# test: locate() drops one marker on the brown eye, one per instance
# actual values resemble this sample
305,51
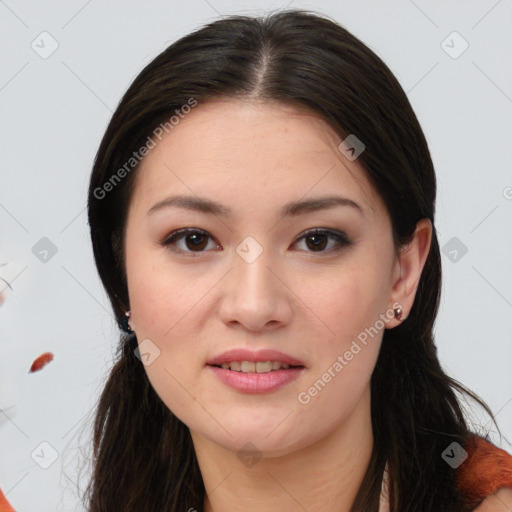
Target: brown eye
195,241
318,239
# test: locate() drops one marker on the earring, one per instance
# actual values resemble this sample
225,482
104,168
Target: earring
129,327
398,313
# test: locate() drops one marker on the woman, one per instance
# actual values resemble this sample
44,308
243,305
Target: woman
262,217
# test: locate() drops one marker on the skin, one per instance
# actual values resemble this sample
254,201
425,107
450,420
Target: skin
254,158
500,501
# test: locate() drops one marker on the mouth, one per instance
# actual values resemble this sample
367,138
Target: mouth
256,376
256,366
261,371
259,361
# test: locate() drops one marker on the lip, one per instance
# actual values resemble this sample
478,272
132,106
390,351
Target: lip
256,382
254,356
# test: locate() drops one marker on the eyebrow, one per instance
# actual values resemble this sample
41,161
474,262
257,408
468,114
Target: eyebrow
290,209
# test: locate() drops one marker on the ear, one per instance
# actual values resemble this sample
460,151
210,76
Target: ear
408,268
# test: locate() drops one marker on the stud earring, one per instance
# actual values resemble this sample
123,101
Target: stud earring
129,327
398,313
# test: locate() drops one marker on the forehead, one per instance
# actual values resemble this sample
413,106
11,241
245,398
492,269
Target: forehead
251,151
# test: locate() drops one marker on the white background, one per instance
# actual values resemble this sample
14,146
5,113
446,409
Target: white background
54,112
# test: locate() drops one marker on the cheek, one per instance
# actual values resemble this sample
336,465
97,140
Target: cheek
349,305
160,295
346,301
163,303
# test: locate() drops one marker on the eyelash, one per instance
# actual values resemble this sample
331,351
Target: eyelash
340,237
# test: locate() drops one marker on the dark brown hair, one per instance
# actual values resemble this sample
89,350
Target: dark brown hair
144,458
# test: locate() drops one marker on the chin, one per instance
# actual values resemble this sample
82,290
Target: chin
266,441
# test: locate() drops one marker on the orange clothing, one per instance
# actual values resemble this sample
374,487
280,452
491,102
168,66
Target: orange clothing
487,469
4,504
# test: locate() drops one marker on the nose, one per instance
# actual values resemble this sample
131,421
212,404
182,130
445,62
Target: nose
255,294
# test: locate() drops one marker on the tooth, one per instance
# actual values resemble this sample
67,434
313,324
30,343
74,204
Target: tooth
255,367
263,367
248,366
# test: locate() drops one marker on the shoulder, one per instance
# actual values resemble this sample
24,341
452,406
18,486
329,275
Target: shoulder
500,501
485,477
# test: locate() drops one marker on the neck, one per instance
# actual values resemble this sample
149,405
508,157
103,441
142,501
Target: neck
325,475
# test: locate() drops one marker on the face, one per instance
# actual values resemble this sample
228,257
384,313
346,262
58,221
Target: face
309,282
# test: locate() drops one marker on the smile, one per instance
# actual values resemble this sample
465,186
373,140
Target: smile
255,366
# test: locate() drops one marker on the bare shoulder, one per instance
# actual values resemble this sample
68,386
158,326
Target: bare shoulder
500,501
